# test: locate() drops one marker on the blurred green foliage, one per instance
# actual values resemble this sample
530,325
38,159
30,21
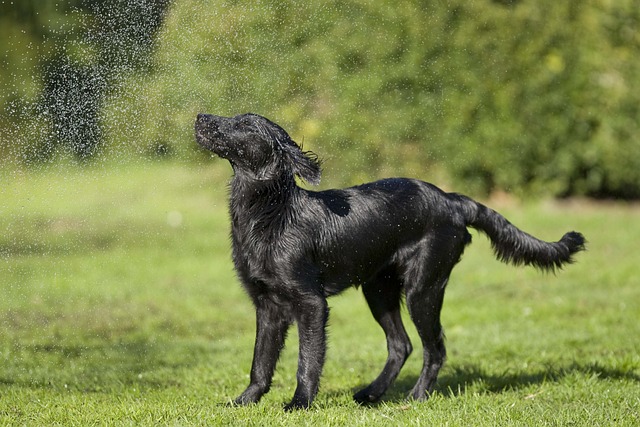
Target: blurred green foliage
529,97
60,60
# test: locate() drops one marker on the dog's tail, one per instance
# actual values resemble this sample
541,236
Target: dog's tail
512,245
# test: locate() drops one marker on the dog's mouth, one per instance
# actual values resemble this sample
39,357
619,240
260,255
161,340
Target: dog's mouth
207,139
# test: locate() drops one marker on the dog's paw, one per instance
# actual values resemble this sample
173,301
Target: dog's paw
243,400
365,397
251,395
296,405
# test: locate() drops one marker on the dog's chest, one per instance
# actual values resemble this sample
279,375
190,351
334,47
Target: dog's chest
258,248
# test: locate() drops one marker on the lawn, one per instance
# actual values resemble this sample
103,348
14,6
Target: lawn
118,305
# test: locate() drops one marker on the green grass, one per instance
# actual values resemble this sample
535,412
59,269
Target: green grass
118,305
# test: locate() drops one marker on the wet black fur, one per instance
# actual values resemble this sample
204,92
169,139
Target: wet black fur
293,248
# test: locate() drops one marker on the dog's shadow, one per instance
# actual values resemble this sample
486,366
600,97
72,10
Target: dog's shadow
458,380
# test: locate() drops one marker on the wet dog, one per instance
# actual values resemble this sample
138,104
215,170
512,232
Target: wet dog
293,248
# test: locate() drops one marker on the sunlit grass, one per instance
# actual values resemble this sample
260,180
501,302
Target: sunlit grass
119,305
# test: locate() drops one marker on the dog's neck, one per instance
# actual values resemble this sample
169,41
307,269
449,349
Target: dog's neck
251,198
260,212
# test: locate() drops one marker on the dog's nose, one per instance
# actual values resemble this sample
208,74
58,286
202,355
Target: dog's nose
203,118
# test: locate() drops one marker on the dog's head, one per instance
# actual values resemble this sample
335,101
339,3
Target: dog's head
256,146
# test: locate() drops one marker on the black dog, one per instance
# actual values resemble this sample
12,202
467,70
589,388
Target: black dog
292,248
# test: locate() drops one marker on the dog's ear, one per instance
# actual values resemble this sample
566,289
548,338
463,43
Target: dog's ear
305,164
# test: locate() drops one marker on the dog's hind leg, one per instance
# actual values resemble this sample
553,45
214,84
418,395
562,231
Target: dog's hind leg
424,308
383,295
425,279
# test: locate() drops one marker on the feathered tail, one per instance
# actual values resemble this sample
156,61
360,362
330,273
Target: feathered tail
512,245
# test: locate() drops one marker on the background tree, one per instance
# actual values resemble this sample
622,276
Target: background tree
66,57
522,96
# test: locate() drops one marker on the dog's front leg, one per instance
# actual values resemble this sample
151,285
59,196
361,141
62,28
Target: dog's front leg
272,322
311,313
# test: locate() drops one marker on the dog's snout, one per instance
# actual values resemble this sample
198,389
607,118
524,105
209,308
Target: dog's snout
207,122
204,118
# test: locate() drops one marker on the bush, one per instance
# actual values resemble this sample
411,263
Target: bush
522,96
62,59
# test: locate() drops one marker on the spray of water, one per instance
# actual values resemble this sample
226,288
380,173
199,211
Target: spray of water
74,56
